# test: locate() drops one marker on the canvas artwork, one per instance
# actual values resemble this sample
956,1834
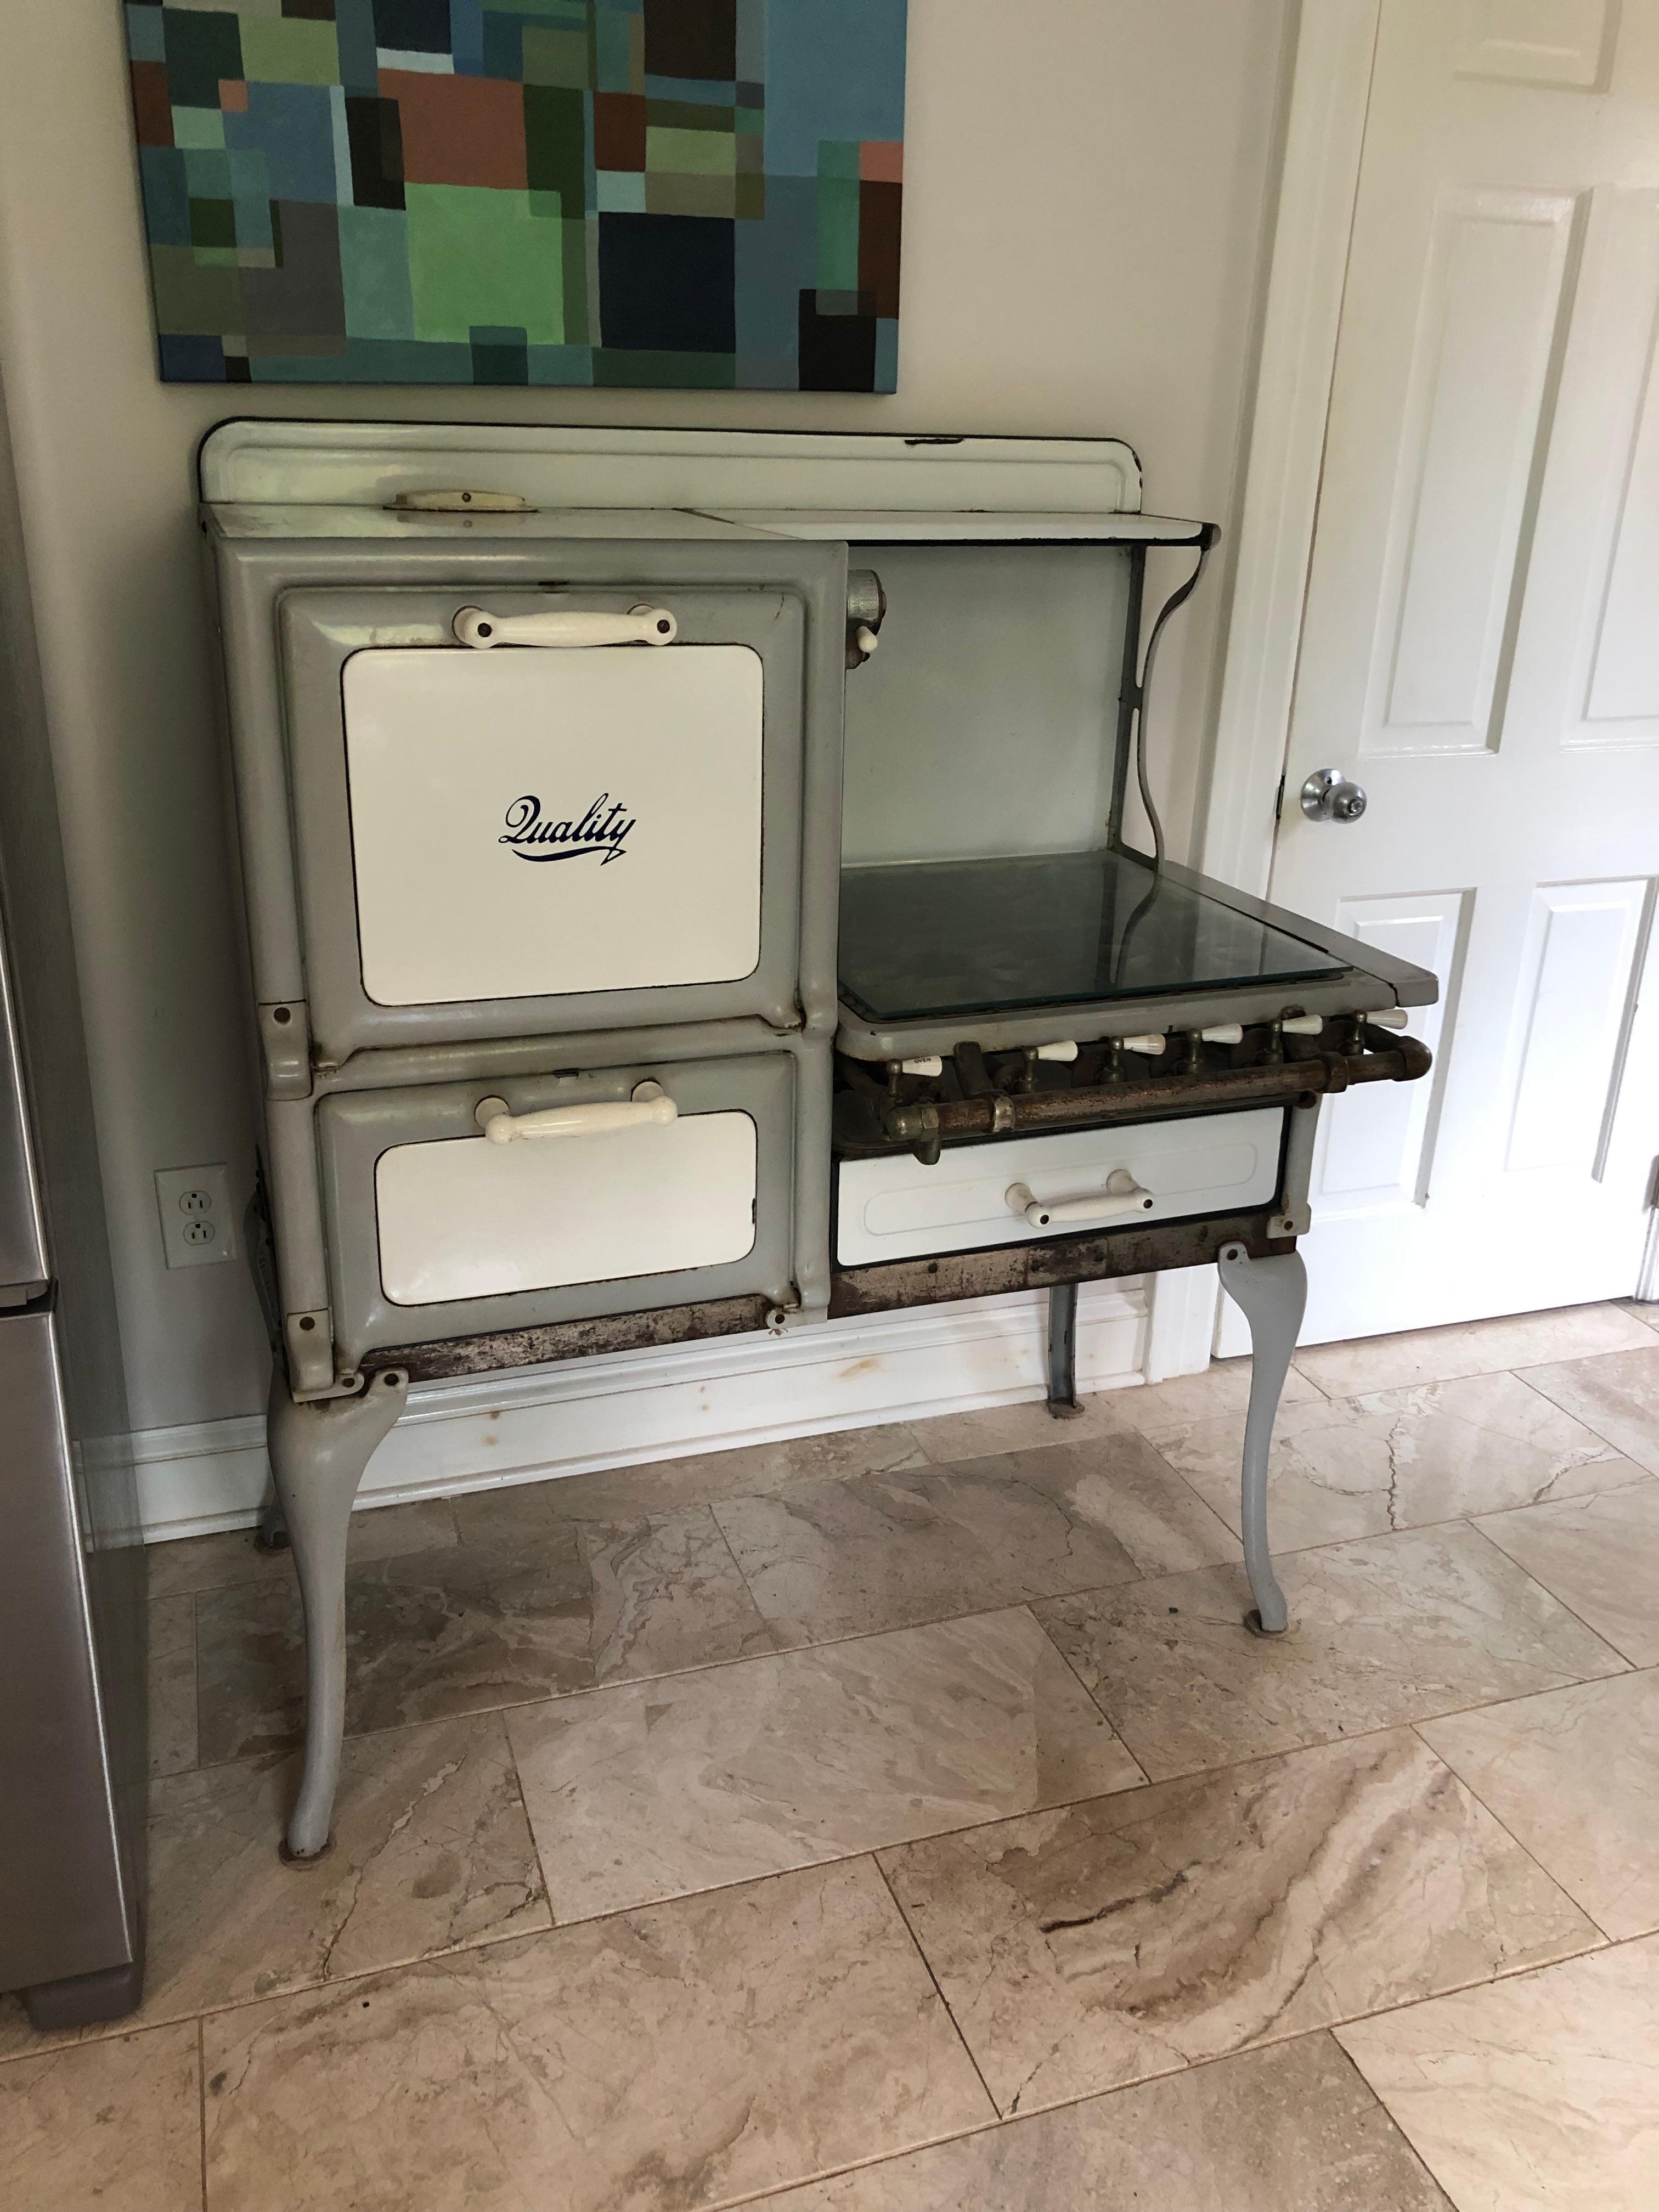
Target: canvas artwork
670,192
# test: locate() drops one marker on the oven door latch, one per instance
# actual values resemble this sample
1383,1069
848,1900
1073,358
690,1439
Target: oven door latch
565,628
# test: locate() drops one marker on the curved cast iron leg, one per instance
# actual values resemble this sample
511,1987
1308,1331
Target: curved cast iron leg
318,1455
1271,1293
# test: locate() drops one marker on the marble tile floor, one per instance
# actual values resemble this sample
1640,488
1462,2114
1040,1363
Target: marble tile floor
904,1821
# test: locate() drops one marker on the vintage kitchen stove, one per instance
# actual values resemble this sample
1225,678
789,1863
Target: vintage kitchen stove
688,892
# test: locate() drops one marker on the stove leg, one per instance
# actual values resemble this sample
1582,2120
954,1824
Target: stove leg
1062,1353
1271,1293
318,1455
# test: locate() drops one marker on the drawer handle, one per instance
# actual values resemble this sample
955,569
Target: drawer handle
650,1107
476,627
1123,1195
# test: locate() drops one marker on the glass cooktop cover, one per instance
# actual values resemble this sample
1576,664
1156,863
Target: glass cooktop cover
968,937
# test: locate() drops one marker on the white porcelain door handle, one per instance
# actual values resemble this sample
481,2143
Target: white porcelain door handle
650,1107
1123,1195
478,627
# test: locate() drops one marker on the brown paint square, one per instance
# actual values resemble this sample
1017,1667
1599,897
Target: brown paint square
459,129
618,130
152,103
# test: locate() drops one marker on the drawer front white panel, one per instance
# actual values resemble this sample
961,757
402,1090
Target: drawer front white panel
526,824
894,1208
461,1218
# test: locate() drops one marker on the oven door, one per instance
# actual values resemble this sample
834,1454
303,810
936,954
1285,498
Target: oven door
519,838
1021,1190
460,1209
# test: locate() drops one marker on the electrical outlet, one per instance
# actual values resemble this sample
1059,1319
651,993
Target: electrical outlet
198,1227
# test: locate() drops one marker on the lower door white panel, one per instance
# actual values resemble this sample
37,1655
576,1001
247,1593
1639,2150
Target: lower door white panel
434,1230
894,1208
465,1218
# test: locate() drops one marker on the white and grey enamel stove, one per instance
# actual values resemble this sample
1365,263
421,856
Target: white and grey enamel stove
639,953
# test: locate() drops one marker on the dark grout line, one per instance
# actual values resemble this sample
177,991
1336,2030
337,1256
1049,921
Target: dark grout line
928,1968
201,2100
1572,1611
1347,2059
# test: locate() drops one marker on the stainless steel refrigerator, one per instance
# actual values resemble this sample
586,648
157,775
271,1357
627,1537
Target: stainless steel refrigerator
72,1647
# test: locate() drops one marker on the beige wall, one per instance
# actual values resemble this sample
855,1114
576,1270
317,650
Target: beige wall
1083,216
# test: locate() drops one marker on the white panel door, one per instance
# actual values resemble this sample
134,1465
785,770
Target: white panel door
1481,650
528,823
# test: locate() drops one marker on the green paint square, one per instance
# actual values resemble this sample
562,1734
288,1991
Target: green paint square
193,297
838,235
477,255
553,57
289,50
838,157
614,47
197,127
691,153
374,273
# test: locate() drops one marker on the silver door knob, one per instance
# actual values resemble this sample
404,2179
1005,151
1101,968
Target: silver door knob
1328,796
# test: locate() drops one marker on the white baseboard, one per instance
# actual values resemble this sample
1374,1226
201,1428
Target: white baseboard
631,1406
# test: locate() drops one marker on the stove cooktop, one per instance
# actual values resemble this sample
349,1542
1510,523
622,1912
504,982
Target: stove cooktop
928,939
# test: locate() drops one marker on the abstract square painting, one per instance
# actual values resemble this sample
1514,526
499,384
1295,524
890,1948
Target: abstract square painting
668,193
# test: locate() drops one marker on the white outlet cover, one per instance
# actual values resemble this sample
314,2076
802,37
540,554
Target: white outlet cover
198,1221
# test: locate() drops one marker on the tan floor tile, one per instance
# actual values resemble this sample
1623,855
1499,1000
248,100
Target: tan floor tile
474,1626
1600,1556
115,2125
1574,1775
1386,1630
649,1790
1644,1309
1082,1948
1476,1347
1028,1427
673,1486
1538,2094
171,1685
1291,2129
203,1563
1222,1388
684,2056
1399,1459
877,1551
1617,1396
432,1848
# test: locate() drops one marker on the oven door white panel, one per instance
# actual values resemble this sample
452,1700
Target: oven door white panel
532,823
465,1218
432,1230
894,1208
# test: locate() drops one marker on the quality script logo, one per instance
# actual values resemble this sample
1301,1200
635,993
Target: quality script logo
602,828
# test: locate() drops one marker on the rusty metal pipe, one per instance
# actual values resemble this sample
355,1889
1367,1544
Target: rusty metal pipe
1401,1061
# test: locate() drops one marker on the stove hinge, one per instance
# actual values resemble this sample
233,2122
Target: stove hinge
285,1044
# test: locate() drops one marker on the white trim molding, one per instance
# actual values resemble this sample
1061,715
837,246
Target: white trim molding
1330,92
628,1407
1319,184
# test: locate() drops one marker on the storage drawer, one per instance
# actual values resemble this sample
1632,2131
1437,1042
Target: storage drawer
436,1229
535,839
1082,1180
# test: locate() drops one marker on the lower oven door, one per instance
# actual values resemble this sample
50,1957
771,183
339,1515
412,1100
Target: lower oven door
569,1209
1021,1189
